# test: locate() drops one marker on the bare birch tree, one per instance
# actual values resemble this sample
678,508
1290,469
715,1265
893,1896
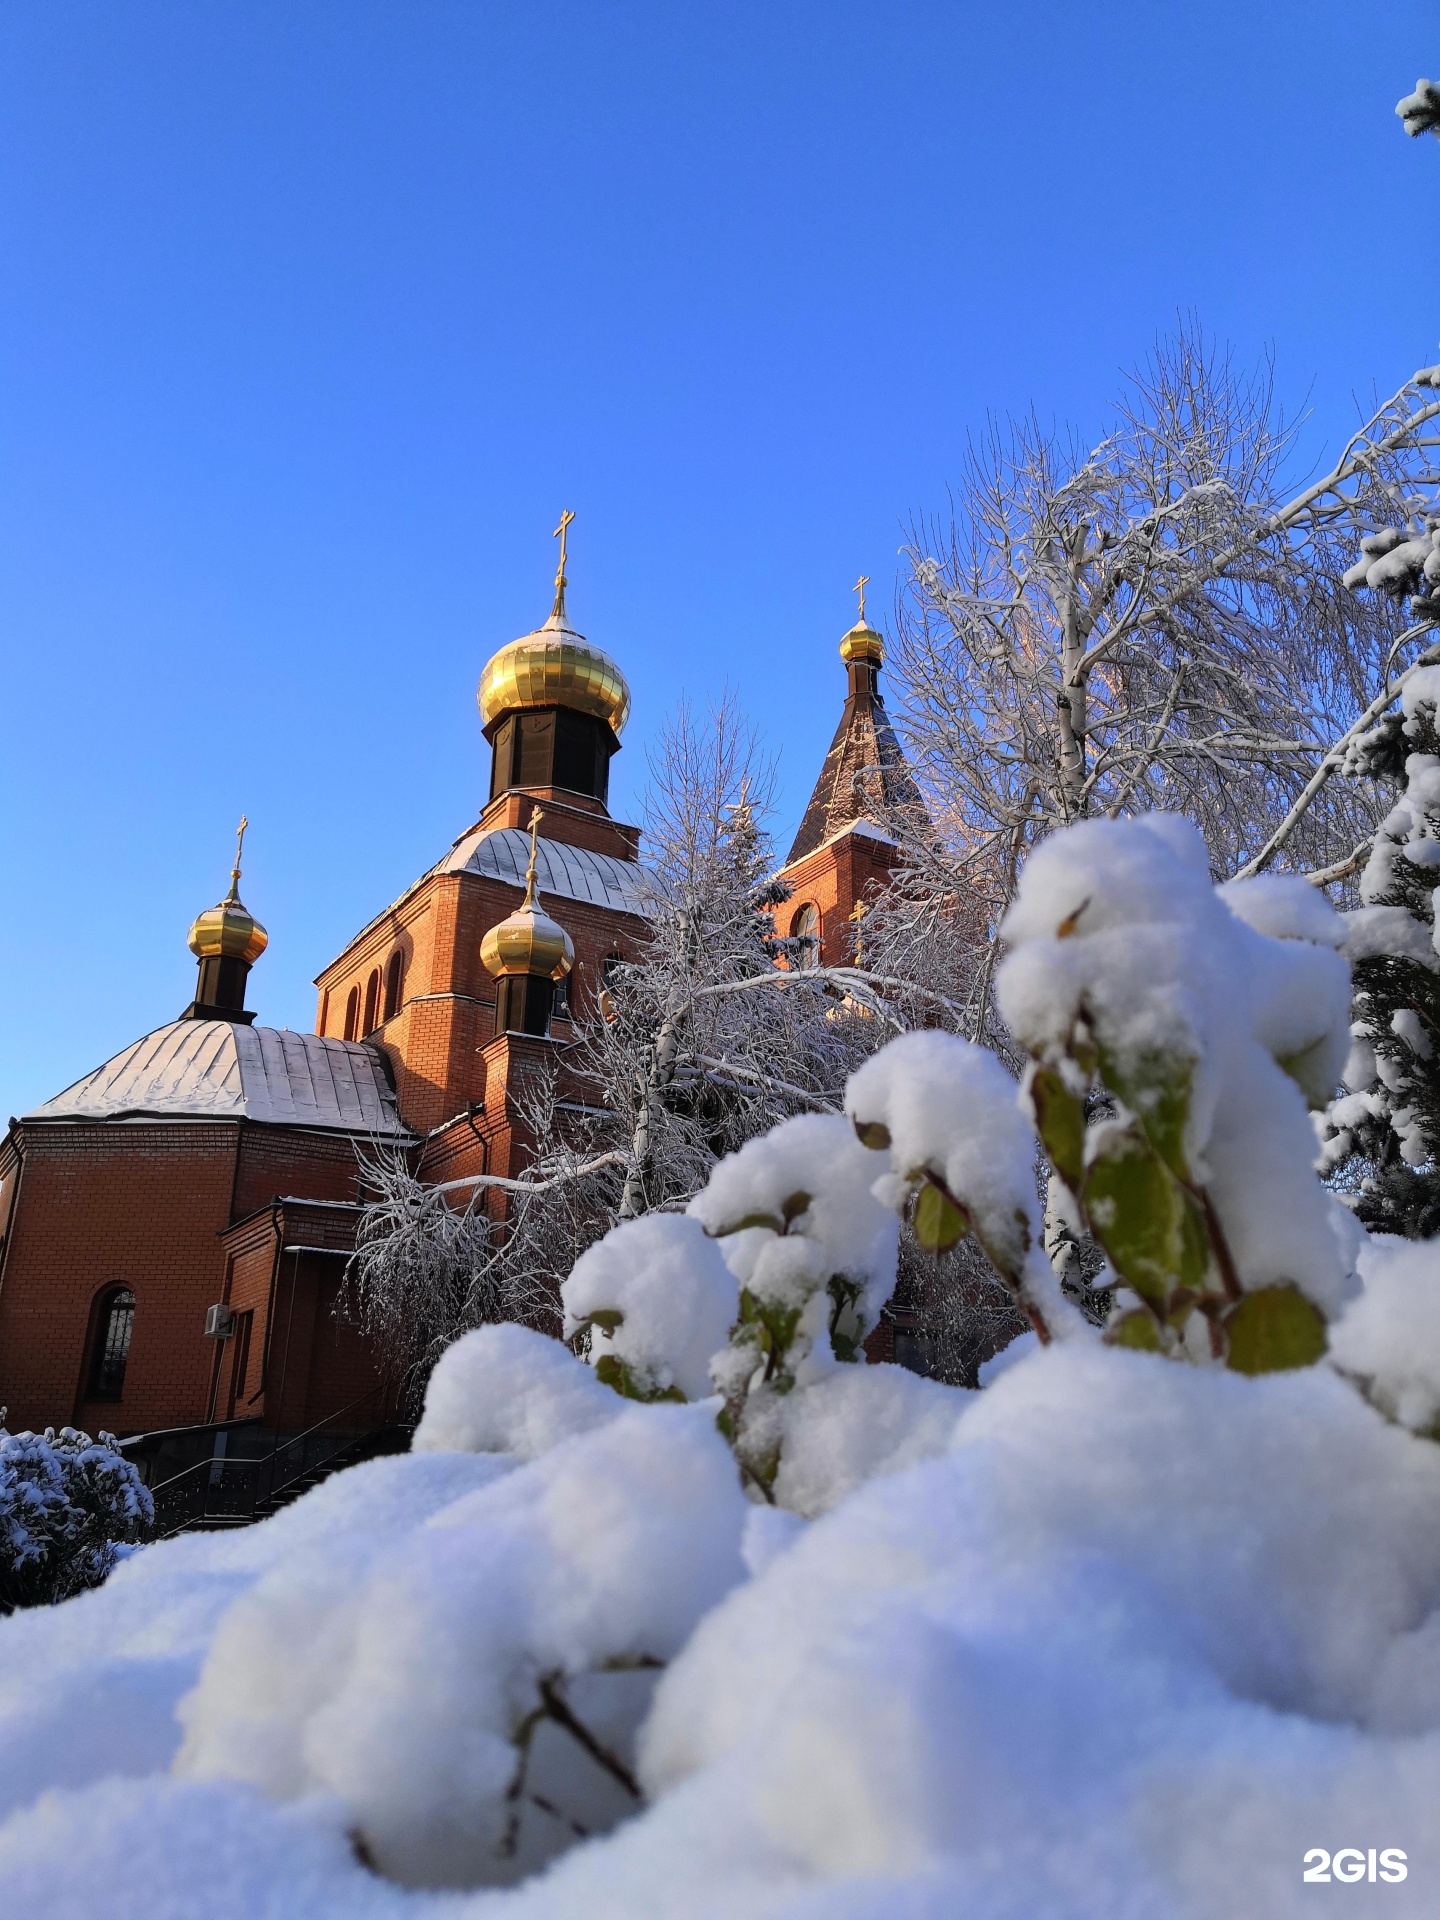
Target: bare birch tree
1155,621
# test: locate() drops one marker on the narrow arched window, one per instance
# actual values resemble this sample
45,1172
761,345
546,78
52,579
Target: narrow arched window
113,1327
352,1015
372,1001
320,1024
805,926
611,968
394,983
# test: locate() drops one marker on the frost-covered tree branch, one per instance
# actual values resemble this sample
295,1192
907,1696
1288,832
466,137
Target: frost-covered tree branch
426,1269
1155,621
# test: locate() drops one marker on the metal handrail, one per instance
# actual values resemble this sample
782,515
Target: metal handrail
260,1461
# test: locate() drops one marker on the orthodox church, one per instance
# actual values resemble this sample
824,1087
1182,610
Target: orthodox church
176,1224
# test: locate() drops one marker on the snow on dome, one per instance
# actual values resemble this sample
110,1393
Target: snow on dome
570,873
574,873
221,1070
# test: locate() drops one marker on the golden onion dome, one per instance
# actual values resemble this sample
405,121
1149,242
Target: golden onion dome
862,642
554,667
228,929
528,940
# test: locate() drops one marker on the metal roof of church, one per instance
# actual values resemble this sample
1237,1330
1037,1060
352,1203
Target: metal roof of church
572,873
220,1070
865,768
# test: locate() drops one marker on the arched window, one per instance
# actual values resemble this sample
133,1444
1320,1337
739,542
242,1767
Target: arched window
321,1023
352,1015
372,1002
805,925
610,970
113,1327
394,983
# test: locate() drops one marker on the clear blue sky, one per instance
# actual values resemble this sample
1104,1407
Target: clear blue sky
314,315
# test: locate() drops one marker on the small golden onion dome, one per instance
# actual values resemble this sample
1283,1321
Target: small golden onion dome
228,929
554,667
528,940
862,642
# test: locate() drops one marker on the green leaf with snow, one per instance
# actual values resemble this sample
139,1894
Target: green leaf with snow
1273,1330
614,1372
771,1221
1156,1088
1148,1225
1060,1122
847,1330
1137,1329
938,1222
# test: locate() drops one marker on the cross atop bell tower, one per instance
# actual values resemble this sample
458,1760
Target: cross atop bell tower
557,612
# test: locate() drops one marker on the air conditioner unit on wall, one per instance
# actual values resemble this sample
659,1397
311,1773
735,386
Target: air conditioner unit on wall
219,1322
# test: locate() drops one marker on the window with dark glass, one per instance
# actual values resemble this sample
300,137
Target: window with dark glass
806,926
372,1002
394,983
112,1344
352,1015
535,759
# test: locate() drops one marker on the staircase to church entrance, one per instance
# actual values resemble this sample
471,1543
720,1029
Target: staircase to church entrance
231,1473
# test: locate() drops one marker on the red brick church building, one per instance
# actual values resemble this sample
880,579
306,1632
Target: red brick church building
176,1224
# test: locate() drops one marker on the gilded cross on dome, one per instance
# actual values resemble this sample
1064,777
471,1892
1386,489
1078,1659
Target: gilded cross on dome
535,818
239,845
560,581
859,587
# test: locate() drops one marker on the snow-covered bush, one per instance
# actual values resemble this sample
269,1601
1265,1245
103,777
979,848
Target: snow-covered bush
68,1504
1208,1021
652,1301
1388,1341
471,1691
764,1292
1212,1019
1112,1636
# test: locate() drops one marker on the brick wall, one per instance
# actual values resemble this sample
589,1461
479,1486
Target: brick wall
138,1206
853,867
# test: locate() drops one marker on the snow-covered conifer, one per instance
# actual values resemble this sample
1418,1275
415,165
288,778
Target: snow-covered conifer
1383,1131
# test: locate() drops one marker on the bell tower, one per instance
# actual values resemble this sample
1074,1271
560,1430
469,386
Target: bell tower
845,846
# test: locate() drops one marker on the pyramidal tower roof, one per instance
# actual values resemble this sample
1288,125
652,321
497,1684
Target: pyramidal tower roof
865,776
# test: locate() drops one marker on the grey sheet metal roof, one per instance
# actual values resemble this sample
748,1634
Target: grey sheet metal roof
216,1070
572,873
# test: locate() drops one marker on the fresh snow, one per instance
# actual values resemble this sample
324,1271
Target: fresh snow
1129,1642
1116,1637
